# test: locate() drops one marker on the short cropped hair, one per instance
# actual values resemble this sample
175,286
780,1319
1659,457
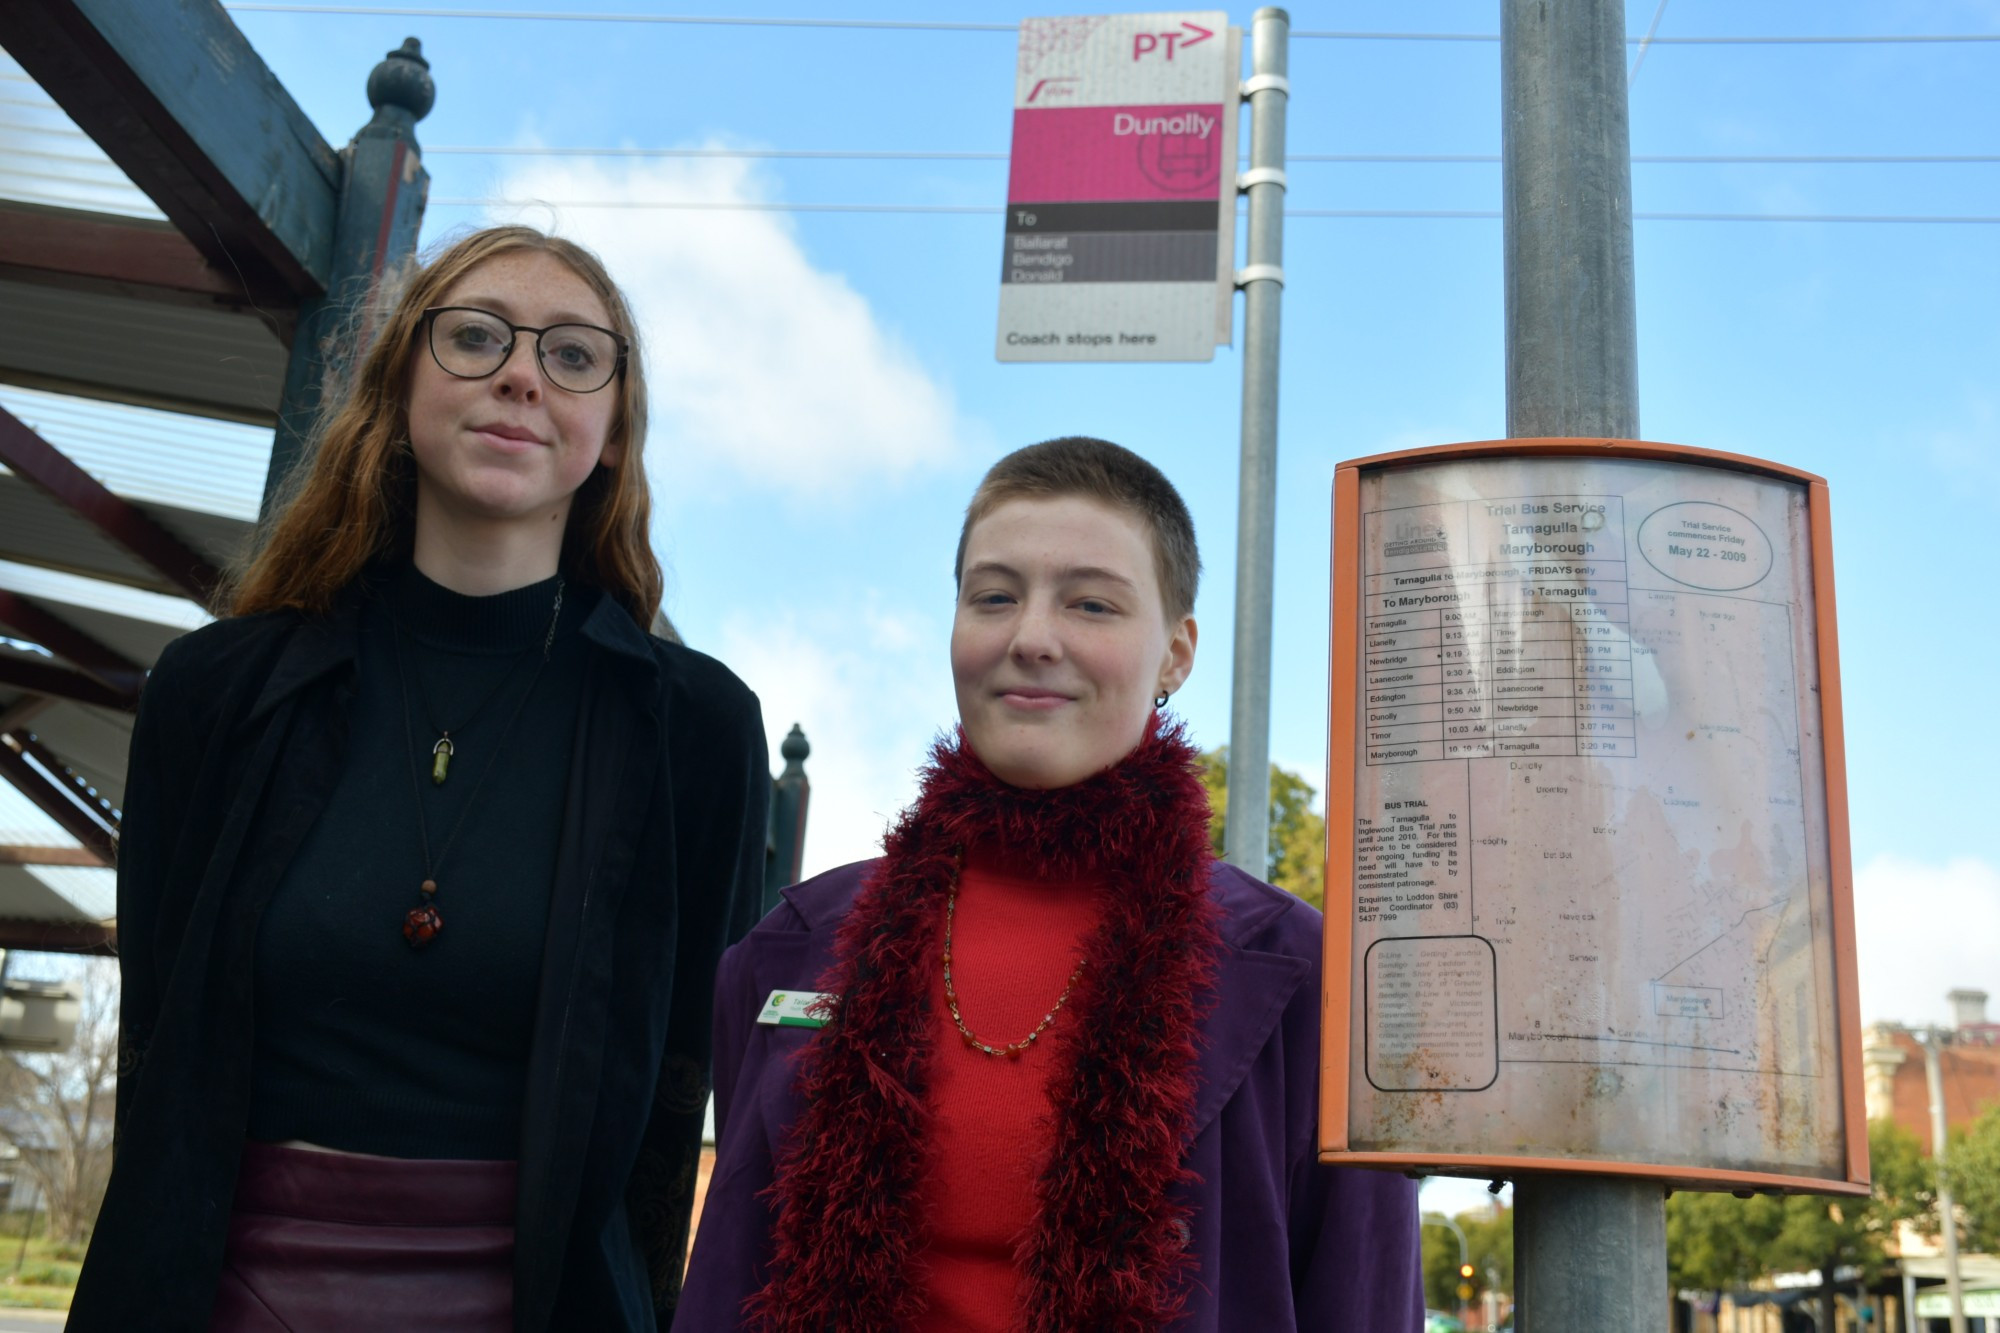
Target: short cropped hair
1111,475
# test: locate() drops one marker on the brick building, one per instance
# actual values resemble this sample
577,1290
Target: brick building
1892,1063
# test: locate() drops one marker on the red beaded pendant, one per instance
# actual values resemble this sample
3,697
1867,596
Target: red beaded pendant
422,925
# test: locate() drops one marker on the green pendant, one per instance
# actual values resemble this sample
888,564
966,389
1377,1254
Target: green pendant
441,761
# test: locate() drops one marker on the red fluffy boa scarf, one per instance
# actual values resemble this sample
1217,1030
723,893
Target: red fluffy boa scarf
1108,1251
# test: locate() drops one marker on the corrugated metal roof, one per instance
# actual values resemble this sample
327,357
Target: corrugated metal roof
23,824
91,891
193,358
46,159
177,614
25,896
169,458
92,741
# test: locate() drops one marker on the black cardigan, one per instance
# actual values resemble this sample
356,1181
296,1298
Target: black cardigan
239,741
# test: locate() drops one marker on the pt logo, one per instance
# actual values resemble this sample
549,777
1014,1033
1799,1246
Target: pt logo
1148,43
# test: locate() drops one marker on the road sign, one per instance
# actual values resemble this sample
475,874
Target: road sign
1588,899
1121,194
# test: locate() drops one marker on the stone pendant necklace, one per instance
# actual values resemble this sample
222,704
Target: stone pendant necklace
445,748
424,923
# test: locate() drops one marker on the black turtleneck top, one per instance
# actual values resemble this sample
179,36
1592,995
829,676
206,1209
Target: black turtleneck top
363,1043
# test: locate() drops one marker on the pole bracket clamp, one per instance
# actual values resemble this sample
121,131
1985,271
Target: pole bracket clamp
1260,176
1250,273
1258,83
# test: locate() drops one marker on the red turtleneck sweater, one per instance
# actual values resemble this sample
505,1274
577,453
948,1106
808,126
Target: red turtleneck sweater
1015,942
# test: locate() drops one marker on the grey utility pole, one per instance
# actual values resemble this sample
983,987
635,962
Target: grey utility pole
1247,841
1947,1216
1590,1251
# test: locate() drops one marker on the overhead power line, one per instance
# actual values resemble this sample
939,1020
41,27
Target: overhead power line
572,16
925,155
989,210
943,25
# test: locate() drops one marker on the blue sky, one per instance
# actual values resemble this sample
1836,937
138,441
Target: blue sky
826,395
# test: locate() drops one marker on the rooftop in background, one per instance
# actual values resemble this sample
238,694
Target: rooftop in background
1893,1074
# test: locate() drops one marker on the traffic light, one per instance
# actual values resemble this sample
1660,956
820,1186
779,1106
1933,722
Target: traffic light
1465,1271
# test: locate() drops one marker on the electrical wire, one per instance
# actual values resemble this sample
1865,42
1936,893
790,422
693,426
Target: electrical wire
921,155
988,210
941,25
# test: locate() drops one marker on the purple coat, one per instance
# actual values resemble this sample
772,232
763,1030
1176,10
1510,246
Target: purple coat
1284,1243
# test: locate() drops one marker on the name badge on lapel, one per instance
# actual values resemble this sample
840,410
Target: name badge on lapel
797,1009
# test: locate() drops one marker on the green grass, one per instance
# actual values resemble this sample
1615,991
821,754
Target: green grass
47,1275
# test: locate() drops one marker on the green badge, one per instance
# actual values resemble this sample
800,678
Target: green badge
796,1009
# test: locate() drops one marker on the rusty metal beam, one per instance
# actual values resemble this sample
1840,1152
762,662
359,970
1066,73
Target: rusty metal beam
21,854
60,793
73,645
126,256
54,682
174,93
59,936
40,463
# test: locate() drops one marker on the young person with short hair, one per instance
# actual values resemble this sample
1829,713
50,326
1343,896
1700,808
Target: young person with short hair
1067,1075
429,852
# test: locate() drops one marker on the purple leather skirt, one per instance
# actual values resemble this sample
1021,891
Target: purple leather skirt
327,1241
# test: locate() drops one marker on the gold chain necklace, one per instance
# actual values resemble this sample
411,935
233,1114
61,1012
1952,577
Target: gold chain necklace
1012,1050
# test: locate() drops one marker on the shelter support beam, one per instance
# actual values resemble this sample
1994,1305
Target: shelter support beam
18,854
791,795
37,461
381,208
54,682
59,936
61,795
106,665
80,250
232,161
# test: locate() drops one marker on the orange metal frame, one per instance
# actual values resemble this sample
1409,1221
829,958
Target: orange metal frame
1339,971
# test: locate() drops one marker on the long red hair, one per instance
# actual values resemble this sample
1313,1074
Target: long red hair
354,502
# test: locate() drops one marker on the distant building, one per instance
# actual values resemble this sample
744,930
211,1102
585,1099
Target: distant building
1892,1064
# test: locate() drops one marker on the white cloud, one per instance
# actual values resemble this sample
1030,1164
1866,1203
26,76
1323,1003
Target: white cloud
1921,930
761,365
871,688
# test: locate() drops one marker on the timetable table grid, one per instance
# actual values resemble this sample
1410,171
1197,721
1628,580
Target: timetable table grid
1510,660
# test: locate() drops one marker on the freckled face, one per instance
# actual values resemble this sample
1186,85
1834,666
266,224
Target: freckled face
1060,641
512,445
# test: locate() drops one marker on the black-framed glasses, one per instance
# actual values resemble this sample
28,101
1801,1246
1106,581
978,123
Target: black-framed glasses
472,343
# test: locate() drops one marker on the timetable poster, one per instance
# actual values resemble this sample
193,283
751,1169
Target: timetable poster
1590,877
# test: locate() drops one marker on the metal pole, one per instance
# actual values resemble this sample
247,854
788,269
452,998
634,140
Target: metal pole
1590,1252
1947,1217
1909,1304
1464,1251
1572,321
1247,840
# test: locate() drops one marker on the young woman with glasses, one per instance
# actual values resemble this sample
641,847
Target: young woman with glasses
429,852
1046,1065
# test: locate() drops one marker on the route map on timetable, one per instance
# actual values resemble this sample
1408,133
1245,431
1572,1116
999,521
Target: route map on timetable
1591,887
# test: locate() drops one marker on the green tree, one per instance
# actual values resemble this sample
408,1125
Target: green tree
1716,1241
1489,1247
1298,835
1973,1164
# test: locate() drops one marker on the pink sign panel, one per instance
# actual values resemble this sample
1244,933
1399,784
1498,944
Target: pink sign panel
1134,153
